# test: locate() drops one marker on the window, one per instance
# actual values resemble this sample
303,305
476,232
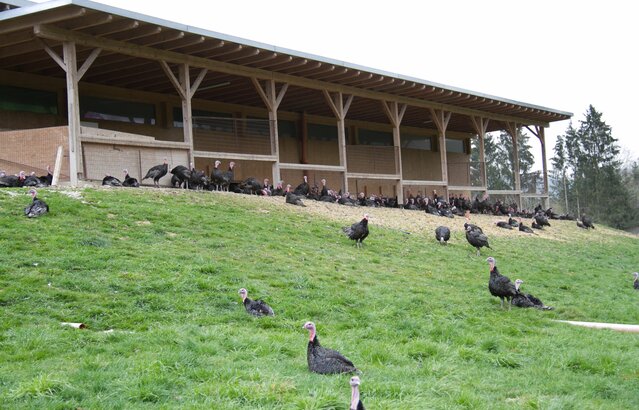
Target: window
456,146
371,137
287,129
322,132
421,142
26,99
205,120
96,108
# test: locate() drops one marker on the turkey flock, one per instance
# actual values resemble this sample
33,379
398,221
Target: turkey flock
321,359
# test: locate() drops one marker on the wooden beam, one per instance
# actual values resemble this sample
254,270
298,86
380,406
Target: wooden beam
231,155
73,111
87,63
26,21
53,33
197,82
52,54
441,119
312,167
359,175
169,73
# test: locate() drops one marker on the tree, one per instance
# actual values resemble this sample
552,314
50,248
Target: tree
587,159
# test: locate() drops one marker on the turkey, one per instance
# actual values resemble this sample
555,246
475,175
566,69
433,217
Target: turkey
512,222
324,191
524,228
303,188
217,176
358,231
504,224
442,233
129,181
585,219
322,360
109,180
47,179
535,225
293,199
12,181
181,177
255,307
476,238
468,224
37,207
228,177
581,225
157,172
198,180
527,300
251,186
636,281
33,180
356,403
541,220
499,285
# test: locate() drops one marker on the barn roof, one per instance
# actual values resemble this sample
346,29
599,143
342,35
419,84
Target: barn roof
130,40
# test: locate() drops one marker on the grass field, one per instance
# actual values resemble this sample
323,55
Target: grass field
154,275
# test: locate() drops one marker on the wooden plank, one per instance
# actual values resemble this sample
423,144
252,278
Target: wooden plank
312,167
52,54
53,16
358,175
597,325
73,110
53,33
58,166
230,155
169,73
423,182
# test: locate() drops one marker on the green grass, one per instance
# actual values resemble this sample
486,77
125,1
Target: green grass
162,270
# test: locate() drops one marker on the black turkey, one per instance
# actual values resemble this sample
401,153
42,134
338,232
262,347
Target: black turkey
442,233
524,228
251,186
499,285
635,284
527,300
111,181
181,176
581,225
255,307
585,219
129,181
512,222
293,199
157,172
535,225
504,224
476,238
37,207
358,231
473,227
12,181
228,176
324,190
303,188
47,179
356,402
322,360
541,220
32,181
217,176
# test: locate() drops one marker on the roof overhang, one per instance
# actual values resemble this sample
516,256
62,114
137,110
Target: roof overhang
132,44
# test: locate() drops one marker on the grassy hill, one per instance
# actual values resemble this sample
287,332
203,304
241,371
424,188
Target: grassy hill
154,275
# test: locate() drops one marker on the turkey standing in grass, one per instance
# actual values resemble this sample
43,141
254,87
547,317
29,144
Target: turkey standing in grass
157,172
476,238
636,282
228,177
181,176
499,285
217,176
129,181
442,233
255,307
356,403
322,360
527,300
358,231
541,220
37,207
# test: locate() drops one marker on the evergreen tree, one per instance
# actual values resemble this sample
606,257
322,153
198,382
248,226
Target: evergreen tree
588,158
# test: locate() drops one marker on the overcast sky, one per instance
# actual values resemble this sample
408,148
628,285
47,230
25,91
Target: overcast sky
563,55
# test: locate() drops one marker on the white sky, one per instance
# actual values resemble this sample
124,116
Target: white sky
563,55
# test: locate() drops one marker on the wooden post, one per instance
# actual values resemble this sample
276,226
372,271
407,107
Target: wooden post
340,109
395,114
441,118
57,166
481,125
186,91
513,130
272,99
73,110
539,132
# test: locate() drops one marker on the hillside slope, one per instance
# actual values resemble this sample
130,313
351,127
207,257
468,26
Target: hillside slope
154,275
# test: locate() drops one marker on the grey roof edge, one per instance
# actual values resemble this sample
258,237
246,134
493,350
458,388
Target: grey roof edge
19,3
47,5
